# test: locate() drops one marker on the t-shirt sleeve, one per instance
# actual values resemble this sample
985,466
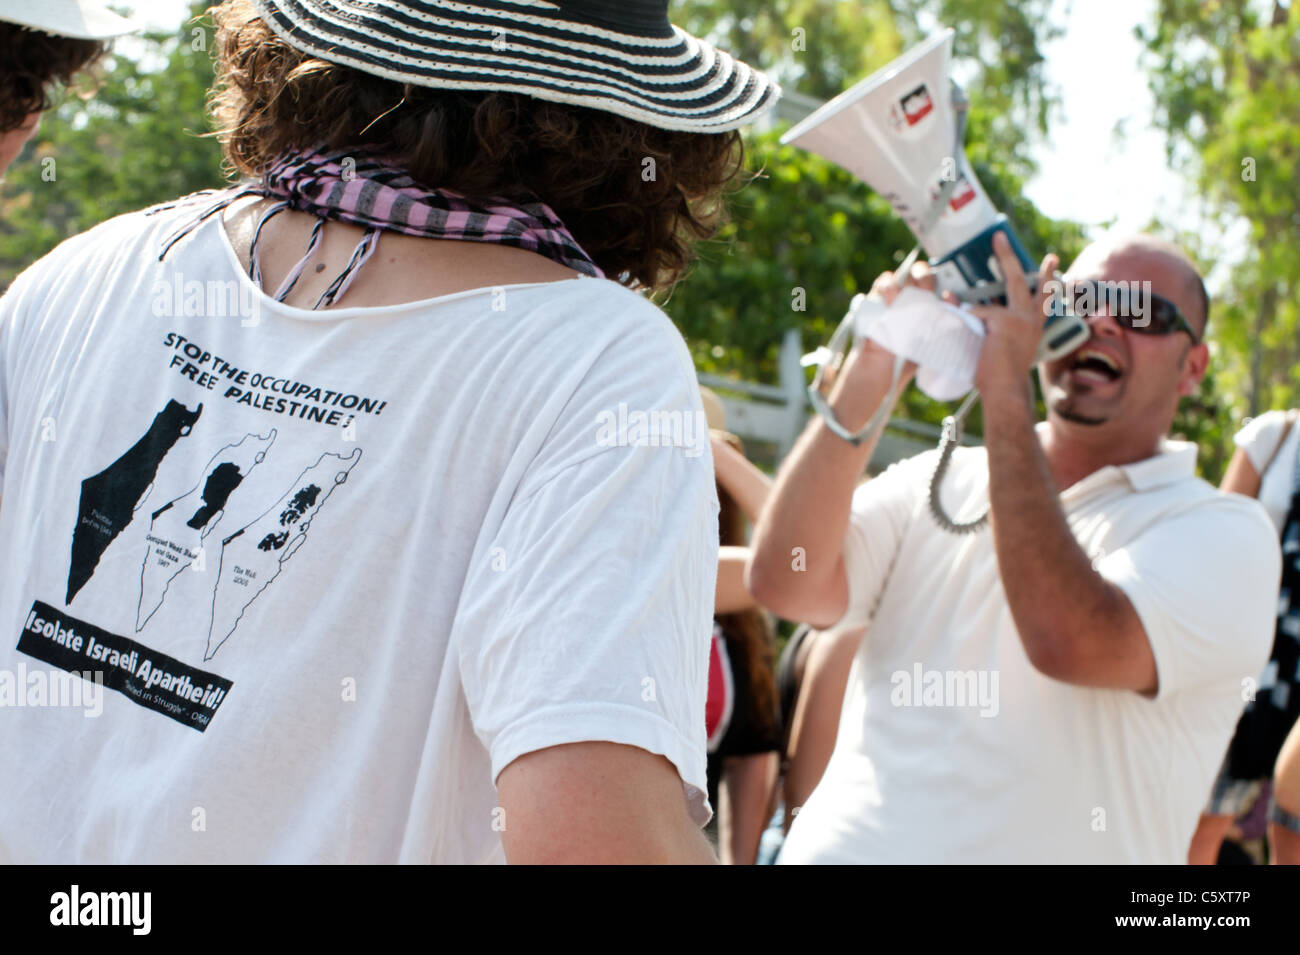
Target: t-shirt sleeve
1204,584
1259,438
880,512
589,616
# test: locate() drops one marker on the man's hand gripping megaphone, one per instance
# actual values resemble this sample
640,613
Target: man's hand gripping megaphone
1013,332
945,343
902,325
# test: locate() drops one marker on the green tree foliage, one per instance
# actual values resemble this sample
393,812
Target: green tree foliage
820,47
1226,76
137,142
815,46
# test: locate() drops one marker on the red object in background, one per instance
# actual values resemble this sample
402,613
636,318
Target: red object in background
722,691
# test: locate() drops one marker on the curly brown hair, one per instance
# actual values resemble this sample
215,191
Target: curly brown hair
33,62
637,219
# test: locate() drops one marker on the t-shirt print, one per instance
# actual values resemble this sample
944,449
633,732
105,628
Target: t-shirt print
182,507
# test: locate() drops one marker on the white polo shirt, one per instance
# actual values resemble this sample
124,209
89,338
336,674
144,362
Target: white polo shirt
953,748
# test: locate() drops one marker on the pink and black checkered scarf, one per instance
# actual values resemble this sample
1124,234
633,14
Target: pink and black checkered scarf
365,192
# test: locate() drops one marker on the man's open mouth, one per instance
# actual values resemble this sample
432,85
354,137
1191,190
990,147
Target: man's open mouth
1095,364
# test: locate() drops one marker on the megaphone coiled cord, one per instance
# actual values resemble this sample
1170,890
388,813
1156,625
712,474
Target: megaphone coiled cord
953,429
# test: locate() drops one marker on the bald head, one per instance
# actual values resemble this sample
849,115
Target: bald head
1170,258
1123,386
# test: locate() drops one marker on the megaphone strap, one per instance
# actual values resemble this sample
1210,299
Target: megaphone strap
872,429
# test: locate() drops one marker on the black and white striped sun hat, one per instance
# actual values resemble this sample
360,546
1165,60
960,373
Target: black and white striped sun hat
620,56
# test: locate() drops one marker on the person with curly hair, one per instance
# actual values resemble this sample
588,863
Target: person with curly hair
43,45
380,513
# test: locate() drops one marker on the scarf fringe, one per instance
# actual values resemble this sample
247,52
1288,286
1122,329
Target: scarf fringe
381,198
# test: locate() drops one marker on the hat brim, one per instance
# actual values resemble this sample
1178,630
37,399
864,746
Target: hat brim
675,82
78,19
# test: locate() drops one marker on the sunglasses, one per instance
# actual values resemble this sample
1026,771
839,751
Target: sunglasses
1135,308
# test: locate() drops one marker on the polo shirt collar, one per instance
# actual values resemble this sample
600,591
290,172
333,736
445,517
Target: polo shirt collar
1174,461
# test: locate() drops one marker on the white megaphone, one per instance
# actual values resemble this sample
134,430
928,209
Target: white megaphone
901,131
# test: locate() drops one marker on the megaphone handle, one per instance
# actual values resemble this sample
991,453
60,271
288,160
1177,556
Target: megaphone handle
989,290
905,267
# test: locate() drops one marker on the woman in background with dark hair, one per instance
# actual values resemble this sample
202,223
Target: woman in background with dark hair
769,722
42,45
743,711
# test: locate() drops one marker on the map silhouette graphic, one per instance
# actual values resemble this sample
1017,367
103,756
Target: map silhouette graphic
178,528
254,555
109,499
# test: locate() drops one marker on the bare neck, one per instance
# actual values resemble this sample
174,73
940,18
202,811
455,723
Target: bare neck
1074,451
403,269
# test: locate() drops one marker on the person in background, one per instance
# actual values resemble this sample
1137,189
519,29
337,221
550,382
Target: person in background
41,45
743,714
810,682
1284,814
1266,466
821,666
809,679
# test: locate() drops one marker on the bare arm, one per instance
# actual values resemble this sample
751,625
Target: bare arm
745,805
597,804
1075,625
1241,476
807,513
730,594
747,485
816,719
1284,842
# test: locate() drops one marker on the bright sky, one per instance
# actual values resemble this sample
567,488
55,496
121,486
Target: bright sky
159,14
1088,171
1094,174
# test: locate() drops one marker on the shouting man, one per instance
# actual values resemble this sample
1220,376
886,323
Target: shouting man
1113,604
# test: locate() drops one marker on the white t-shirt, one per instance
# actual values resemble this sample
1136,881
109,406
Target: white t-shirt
340,567
1258,439
953,748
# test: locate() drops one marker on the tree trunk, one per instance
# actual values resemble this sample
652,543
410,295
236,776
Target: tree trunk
1267,306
